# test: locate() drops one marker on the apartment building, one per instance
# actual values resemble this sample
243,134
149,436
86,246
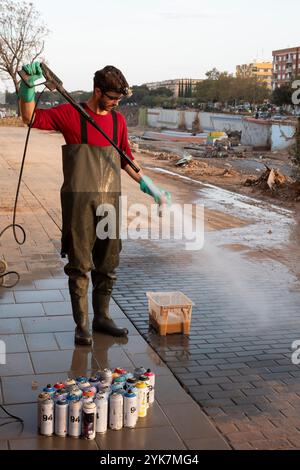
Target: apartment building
177,86
286,66
263,71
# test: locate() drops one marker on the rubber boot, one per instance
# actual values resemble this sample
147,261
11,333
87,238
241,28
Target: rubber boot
102,322
81,318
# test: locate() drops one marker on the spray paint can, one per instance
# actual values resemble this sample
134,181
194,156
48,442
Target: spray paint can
84,385
91,389
105,376
106,390
130,383
116,411
128,375
75,390
69,383
146,380
88,397
59,386
49,389
151,377
120,371
101,402
81,379
75,410
89,411
94,381
46,413
120,380
44,396
61,394
142,399
61,418
116,387
130,410
139,371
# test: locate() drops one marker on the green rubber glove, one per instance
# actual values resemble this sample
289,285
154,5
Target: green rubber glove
159,194
34,73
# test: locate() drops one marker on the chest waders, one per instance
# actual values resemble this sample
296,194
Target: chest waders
92,177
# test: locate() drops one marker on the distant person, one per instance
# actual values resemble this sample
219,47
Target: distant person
91,178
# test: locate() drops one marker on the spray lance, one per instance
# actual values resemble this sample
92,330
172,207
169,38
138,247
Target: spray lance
162,198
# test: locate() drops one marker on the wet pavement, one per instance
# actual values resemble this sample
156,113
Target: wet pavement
38,330
237,361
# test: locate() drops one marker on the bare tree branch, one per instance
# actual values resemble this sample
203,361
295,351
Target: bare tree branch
22,34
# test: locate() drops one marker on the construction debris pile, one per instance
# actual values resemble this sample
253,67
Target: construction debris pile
273,180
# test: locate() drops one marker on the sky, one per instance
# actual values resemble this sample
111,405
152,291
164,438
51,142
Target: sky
153,40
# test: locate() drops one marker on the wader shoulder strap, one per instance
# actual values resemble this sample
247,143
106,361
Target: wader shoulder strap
83,127
115,124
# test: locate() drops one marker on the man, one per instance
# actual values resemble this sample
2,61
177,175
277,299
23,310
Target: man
91,179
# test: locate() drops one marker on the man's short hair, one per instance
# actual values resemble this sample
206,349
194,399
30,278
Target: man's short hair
111,79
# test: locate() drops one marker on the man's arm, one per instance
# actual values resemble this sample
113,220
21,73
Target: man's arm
130,171
26,110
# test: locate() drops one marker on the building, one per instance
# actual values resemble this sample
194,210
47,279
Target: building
177,86
286,66
263,71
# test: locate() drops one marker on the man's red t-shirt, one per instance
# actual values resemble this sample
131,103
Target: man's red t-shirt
65,119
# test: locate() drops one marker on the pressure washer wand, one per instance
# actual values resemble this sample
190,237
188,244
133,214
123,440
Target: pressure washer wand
54,83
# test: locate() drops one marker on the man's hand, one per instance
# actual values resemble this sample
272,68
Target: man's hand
160,195
34,73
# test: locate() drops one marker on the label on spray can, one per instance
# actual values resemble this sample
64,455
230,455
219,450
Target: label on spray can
142,399
130,410
46,425
151,377
116,411
75,410
61,418
89,420
101,402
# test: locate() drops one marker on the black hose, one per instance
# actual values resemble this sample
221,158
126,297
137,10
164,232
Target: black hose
15,226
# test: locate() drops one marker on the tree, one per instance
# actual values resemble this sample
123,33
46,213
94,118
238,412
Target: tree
282,95
22,36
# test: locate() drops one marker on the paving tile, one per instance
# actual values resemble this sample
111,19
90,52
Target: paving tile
58,361
137,345
53,443
190,422
15,430
155,418
157,438
57,308
18,363
49,324
41,342
46,284
151,361
100,341
39,296
207,444
19,389
112,358
6,297
21,310
14,343
169,391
